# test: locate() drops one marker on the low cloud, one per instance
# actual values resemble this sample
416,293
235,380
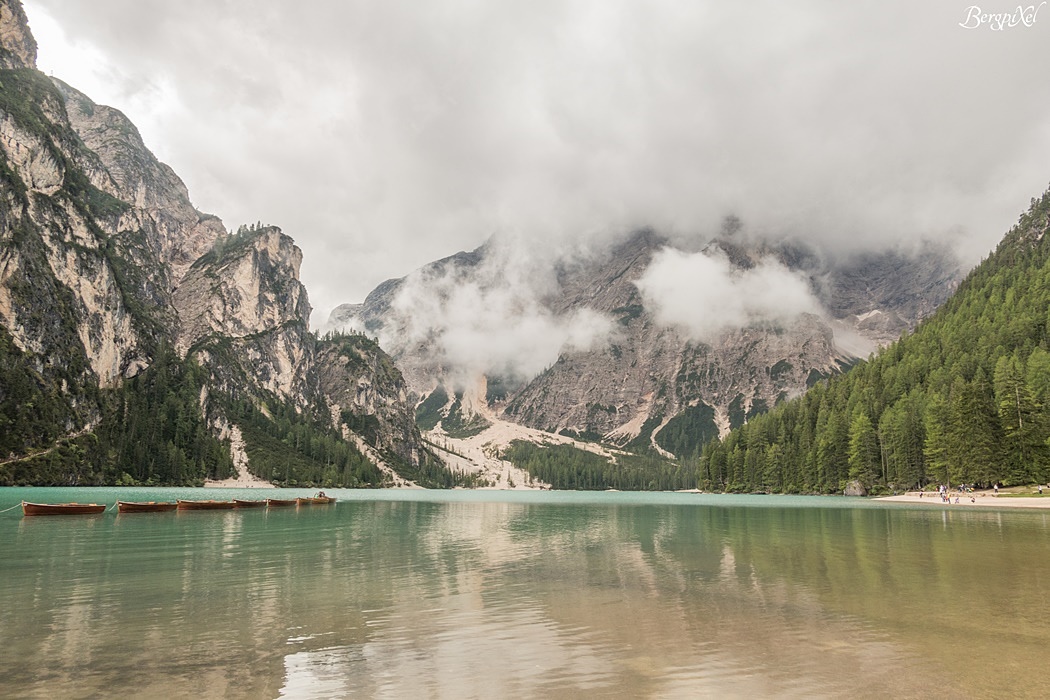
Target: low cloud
384,135
490,319
705,295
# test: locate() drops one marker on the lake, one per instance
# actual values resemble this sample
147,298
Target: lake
483,594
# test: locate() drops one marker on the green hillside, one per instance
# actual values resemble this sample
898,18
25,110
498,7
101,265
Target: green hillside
964,399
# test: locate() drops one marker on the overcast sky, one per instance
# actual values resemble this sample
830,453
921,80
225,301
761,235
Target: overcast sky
382,135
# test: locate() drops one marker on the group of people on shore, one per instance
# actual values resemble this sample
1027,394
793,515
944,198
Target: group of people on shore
945,493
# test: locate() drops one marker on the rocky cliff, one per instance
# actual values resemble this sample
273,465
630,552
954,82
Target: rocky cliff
246,291
118,298
160,205
17,45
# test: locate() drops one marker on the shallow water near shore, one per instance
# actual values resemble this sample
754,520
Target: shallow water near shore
482,594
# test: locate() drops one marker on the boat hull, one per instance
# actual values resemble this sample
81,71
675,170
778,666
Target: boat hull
146,506
280,502
237,503
205,505
314,501
62,508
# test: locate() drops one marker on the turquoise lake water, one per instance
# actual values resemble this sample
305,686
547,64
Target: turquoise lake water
484,594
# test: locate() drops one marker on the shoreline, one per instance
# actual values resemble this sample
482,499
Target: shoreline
980,498
238,482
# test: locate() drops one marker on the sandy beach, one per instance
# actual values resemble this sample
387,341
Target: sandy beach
241,481
979,498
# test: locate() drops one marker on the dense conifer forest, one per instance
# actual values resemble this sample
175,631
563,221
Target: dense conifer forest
154,431
150,431
568,467
963,399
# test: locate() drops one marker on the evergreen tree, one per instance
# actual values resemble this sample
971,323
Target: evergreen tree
901,438
1018,413
832,450
976,431
864,455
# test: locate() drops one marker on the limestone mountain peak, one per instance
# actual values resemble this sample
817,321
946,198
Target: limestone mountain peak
136,327
17,45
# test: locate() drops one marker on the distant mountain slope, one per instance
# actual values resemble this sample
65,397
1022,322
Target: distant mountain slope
142,343
639,380
964,399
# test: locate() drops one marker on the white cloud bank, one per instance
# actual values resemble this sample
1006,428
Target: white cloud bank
383,135
705,295
491,319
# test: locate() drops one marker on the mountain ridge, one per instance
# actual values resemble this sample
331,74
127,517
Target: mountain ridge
644,375
143,343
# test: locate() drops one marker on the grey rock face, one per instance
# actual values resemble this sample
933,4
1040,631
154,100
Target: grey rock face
177,233
17,45
855,488
246,290
247,283
651,373
632,386
366,392
73,283
245,316
884,295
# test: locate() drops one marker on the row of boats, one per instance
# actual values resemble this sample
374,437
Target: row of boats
161,506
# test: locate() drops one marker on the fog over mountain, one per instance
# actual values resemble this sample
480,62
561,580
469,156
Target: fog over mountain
386,135
490,318
675,281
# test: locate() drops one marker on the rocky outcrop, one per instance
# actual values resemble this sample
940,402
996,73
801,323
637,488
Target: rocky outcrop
247,283
367,394
854,488
17,45
175,231
882,295
72,282
245,316
246,290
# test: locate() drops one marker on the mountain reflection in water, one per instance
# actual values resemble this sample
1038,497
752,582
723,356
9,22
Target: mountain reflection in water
478,595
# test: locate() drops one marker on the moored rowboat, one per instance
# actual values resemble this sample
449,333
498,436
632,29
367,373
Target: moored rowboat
145,506
238,503
277,502
315,500
62,508
205,505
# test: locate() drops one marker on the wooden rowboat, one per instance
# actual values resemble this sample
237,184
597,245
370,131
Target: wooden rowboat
205,505
278,502
145,506
316,500
238,503
62,508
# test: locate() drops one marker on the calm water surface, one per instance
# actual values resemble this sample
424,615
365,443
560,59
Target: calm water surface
523,595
